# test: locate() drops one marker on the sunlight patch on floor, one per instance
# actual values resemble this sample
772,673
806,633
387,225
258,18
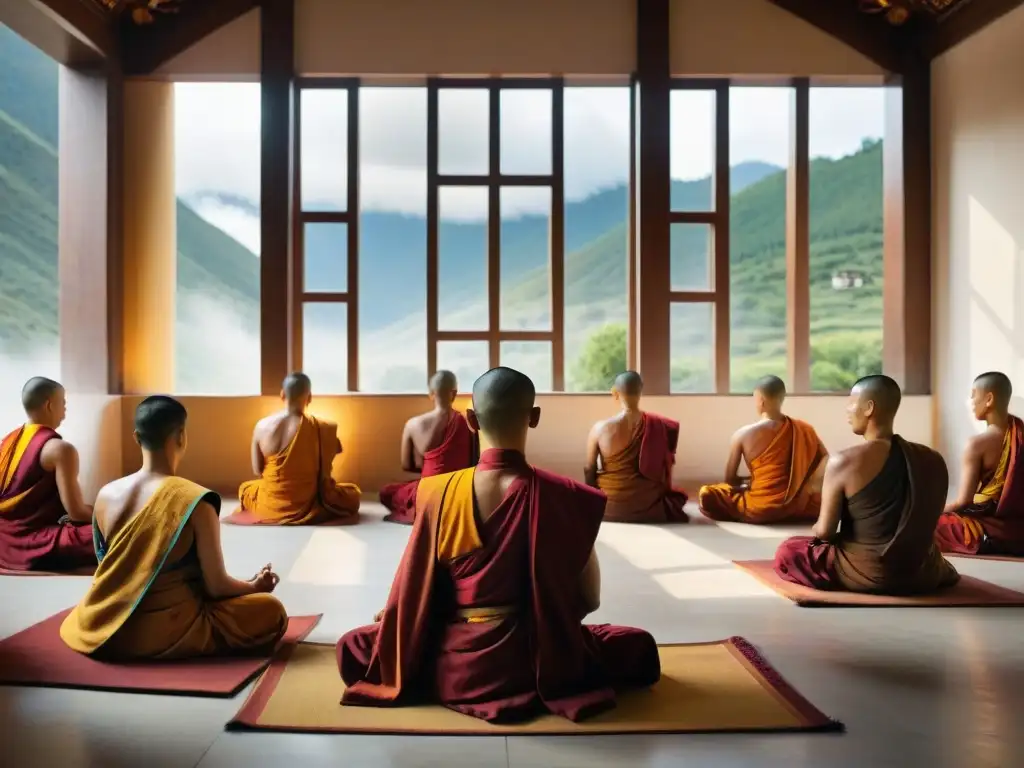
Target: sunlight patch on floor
711,583
652,548
331,557
779,532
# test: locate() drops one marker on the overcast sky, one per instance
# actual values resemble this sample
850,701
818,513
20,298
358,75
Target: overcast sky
217,133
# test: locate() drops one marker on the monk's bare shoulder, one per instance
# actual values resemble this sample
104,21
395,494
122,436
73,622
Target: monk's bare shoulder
979,445
114,493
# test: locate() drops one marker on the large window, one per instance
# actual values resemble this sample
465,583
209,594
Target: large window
28,220
490,213
846,128
217,183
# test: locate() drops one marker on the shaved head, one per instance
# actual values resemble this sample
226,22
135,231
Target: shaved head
37,392
443,381
296,386
503,400
158,418
998,385
772,387
883,392
629,383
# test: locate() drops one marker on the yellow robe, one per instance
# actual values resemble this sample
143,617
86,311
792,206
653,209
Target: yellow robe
780,490
296,487
147,599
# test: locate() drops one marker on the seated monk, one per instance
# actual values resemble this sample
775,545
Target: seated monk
485,612
44,523
987,517
161,591
786,460
433,443
630,457
292,452
880,502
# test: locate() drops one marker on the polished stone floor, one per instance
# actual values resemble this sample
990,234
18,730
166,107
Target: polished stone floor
915,687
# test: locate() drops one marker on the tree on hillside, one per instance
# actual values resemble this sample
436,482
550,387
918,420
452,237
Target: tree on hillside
602,358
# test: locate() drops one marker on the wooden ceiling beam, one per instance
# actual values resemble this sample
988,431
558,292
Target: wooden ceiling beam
965,20
841,19
146,48
74,32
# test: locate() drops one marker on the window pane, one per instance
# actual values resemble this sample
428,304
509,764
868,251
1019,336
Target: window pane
323,149
525,258
29,337
462,259
846,128
217,183
692,348
468,360
691,257
597,152
532,358
325,346
526,132
325,257
692,150
463,131
759,136
392,239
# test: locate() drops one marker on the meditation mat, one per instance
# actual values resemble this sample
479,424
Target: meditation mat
965,593
244,517
86,570
38,657
704,687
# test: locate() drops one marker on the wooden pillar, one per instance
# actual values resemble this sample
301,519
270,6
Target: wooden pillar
150,248
89,231
907,277
798,241
277,81
653,192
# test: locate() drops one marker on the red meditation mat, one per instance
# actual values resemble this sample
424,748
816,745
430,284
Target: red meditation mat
85,570
245,517
969,591
37,657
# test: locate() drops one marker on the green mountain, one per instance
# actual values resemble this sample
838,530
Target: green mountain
846,235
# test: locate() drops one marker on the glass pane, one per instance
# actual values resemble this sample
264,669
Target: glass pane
323,149
392,239
525,258
526,132
846,128
691,339
691,257
462,259
759,135
463,131
532,358
217,185
325,257
597,152
692,150
325,346
468,360
29,274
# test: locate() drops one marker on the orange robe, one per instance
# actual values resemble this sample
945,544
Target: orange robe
296,487
484,617
35,533
147,600
780,490
459,449
994,524
638,479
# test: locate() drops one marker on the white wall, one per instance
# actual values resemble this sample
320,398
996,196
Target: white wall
978,215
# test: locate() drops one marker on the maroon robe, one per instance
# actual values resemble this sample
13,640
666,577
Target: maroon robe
34,531
459,449
538,657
